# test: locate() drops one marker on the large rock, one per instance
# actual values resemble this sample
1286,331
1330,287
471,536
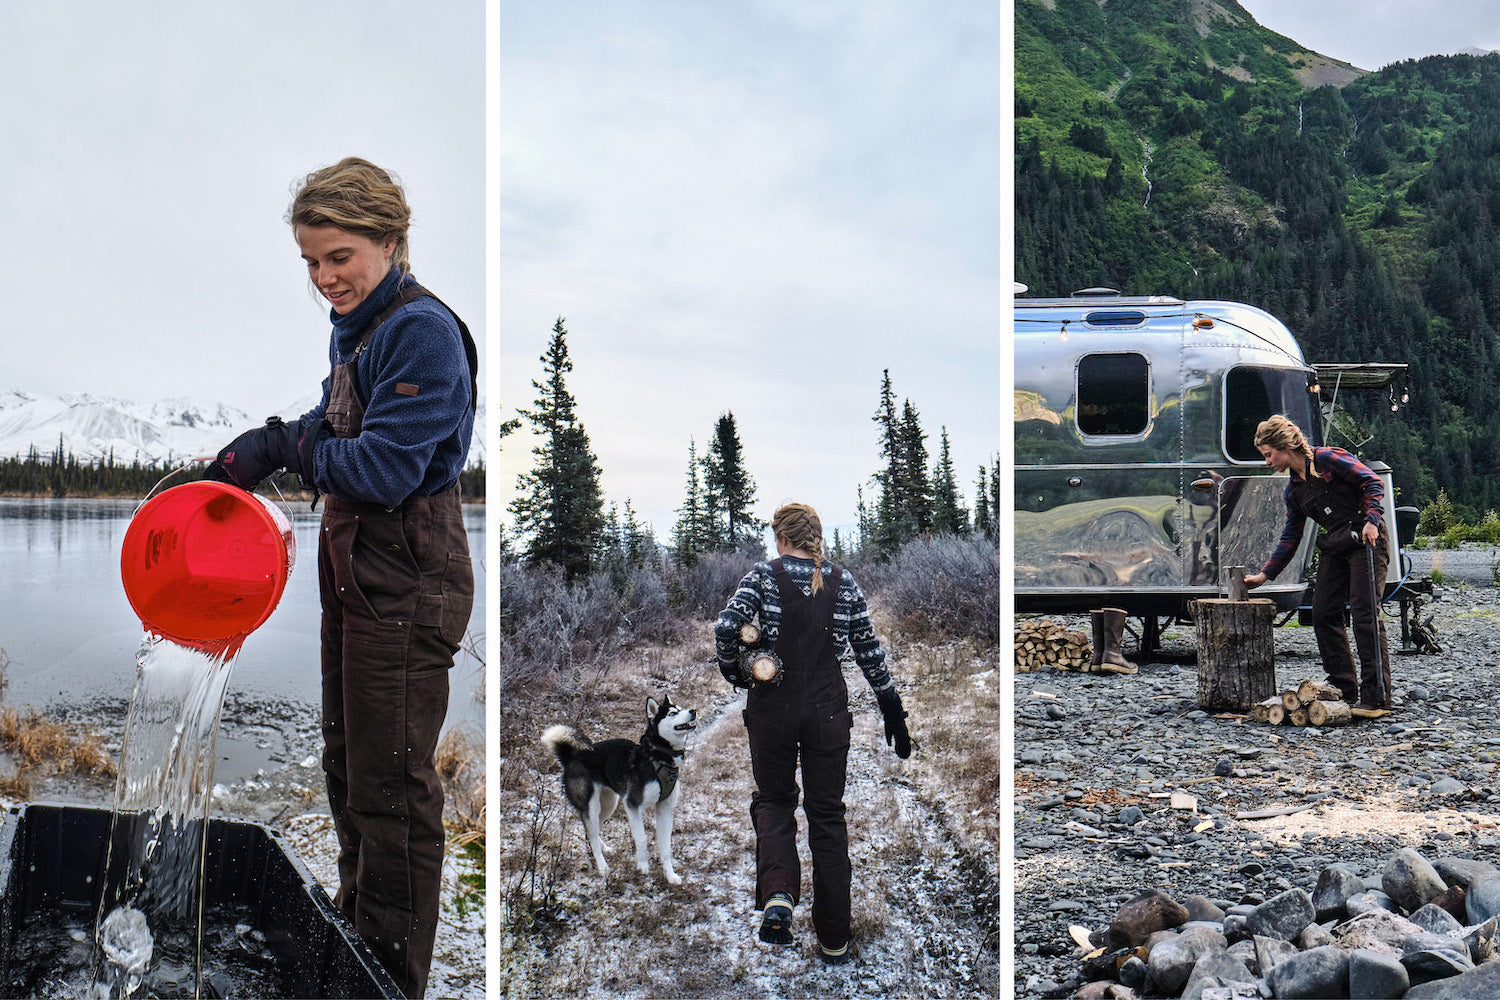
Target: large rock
1271,952
1313,936
1202,908
1215,967
1143,916
1480,983
1462,872
1370,899
1376,976
1431,964
1378,930
1331,897
1435,919
1483,900
1171,962
1410,879
1322,972
1480,940
1282,916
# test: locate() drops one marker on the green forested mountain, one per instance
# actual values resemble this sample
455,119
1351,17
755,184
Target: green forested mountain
1176,147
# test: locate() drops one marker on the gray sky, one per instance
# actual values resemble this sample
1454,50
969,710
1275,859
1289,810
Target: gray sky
148,158
756,208
1374,33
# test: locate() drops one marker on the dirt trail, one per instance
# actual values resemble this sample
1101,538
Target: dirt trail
924,906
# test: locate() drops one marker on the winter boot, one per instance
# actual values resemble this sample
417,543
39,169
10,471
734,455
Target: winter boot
1112,626
776,923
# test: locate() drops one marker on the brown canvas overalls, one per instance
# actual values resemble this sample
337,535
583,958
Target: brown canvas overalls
1344,578
806,714
397,588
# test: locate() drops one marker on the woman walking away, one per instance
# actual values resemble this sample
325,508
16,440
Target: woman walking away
811,614
386,445
1339,492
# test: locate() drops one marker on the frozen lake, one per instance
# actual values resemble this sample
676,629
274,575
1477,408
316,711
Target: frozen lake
70,635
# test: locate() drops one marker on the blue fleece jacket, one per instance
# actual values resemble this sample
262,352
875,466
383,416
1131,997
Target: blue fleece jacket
411,443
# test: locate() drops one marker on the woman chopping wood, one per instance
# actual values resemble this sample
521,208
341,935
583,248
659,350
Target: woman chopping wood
1341,494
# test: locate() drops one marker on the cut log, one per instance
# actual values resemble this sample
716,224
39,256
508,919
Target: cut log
1261,710
749,633
1291,699
1276,714
1297,716
1236,654
1329,713
1310,691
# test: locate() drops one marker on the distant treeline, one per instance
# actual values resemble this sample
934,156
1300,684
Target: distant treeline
58,474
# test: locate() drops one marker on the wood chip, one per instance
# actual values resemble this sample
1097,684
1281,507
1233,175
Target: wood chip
1080,936
1184,801
1207,824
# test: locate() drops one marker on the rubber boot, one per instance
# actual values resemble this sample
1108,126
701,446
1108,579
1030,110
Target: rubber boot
1096,622
1113,628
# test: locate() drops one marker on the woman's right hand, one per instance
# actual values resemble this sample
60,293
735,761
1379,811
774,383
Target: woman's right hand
1254,580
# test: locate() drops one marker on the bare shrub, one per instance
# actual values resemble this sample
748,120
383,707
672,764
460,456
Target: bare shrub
530,900
548,625
942,586
702,589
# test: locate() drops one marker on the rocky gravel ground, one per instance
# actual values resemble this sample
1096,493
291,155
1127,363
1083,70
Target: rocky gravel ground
1123,785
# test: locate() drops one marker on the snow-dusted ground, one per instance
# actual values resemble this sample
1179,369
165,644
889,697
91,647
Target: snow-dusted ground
923,845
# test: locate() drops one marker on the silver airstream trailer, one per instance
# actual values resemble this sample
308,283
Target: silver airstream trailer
1137,479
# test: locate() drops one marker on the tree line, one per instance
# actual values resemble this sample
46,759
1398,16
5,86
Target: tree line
59,474
560,518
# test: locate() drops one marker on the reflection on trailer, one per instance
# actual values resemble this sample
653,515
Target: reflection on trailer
1137,479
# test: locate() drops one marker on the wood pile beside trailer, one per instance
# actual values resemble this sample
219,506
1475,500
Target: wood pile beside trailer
1042,643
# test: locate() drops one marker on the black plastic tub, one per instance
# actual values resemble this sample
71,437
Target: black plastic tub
54,864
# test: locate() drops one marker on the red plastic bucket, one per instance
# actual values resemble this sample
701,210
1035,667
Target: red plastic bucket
205,563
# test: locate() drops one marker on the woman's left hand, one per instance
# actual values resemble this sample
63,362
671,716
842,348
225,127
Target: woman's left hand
1369,534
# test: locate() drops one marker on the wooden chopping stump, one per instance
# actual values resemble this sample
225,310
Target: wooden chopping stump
1236,653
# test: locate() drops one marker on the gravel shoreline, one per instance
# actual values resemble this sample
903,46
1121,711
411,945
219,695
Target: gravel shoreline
1093,748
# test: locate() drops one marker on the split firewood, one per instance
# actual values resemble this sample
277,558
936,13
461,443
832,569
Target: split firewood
1044,643
1329,713
1261,710
749,633
1310,691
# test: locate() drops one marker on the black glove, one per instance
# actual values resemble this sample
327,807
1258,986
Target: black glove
731,672
256,454
895,722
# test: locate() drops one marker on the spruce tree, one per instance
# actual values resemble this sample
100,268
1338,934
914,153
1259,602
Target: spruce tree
691,535
916,488
887,519
728,488
948,513
983,523
559,505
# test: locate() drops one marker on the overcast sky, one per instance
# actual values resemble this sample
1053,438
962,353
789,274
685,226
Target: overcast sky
1375,33
148,156
752,208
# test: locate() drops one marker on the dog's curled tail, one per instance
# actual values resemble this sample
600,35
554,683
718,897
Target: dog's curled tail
564,741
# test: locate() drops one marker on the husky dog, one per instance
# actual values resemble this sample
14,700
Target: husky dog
597,776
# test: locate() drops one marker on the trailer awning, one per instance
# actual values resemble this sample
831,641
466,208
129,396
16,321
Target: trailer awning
1334,378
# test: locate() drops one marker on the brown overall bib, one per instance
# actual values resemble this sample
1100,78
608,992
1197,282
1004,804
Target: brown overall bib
808,713
397,587
1343,578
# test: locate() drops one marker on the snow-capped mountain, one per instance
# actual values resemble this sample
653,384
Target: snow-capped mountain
169,430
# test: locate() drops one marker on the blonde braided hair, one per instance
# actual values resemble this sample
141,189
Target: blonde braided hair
799,526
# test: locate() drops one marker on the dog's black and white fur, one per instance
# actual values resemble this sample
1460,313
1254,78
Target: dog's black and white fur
598,776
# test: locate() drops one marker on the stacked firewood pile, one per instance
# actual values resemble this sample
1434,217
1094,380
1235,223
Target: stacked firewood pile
1311,703
1041,642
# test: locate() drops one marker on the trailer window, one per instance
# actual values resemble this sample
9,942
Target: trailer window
1251,395
1114,394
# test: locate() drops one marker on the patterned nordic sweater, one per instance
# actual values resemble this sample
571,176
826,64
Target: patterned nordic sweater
853,634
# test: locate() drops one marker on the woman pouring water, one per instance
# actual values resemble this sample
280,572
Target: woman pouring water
385,445
1341,494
